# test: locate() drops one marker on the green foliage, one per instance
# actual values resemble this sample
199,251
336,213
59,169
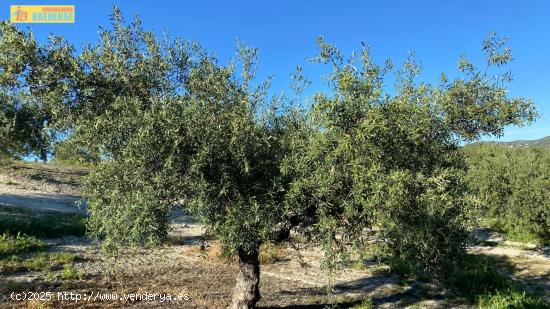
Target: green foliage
478,104
390,166
39,261
270,253
40,224
366,304
511,298
34,79
8,286
513,186
23,252
540,143
124,206
176,128
477,276
70,272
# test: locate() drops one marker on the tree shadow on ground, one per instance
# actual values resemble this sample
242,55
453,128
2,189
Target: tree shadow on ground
51,175
531,274
378,290
53,181
45,202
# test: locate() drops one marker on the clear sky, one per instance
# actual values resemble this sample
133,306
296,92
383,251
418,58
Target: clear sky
285,31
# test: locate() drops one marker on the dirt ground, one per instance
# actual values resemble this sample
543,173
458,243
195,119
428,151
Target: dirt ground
203,279
41,187
182,268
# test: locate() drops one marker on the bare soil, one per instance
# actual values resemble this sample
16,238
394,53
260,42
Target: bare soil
41,186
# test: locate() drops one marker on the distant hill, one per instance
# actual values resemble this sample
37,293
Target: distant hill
543,143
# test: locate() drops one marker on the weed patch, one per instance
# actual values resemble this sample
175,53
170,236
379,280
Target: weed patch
510,298
38,261
8,286
366,304
40,224
270,253
18,244
70,272
478,281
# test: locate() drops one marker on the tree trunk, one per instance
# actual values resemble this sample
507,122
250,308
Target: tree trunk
247,288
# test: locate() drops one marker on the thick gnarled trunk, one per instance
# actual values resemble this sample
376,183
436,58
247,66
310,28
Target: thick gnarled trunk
247,288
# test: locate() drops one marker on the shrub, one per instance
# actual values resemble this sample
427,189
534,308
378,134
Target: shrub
68,153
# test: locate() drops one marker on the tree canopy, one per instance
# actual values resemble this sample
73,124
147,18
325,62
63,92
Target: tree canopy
392,164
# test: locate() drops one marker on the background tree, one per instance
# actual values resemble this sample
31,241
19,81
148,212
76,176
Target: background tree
34,78
513,185
66,152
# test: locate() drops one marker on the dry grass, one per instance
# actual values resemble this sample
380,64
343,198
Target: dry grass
213,253
271,253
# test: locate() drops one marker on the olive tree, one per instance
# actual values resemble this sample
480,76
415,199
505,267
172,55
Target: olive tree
386,170
173,127
360,166
34,78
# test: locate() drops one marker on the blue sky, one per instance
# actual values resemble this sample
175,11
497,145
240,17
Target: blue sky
285,31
